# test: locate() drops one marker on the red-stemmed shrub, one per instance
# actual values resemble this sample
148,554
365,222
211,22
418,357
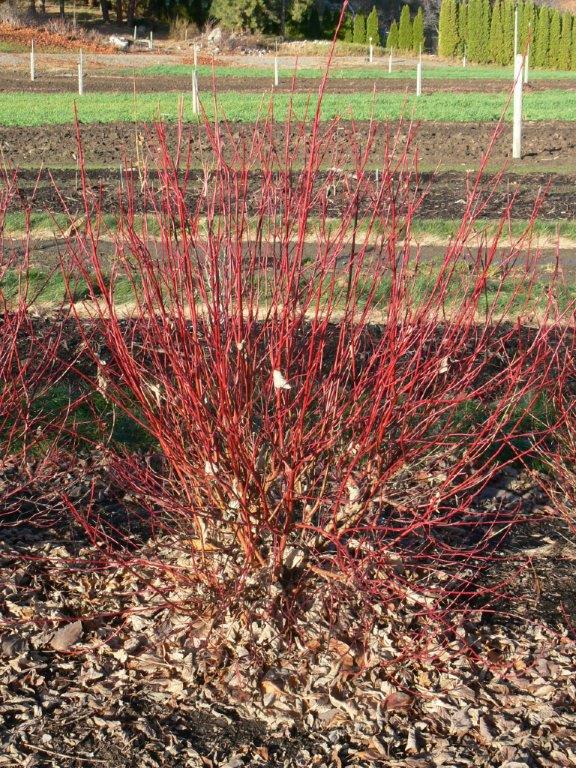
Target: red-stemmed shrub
328,406
32,364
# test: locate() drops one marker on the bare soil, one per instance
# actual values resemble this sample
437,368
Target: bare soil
58,82
547,146
445,193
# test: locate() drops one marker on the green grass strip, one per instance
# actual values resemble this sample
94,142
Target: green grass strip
28,109
378,71
56,223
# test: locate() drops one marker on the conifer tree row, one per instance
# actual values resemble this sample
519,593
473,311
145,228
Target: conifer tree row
359,28
408,33
484,29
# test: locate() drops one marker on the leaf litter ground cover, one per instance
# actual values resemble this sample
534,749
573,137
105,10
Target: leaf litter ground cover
98,669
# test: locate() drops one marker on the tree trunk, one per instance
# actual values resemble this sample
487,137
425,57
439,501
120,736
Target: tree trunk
119,11
105,11
131,12
62,13
32,8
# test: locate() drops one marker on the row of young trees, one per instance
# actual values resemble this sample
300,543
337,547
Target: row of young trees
408,34
360,28
484,30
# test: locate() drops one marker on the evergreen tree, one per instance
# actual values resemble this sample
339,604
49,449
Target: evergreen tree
405,30
373,27
527,27
248,15
564,56
462,27
573,49
313,25
328,23
496,41
347,29
444,47
507,32
542,37
554,46
418,31
360,28
474,25
392,39
485,32
524,21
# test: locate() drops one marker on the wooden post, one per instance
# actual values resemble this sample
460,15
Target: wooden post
32,63
517,116
390,60
195,55
81,74
150,41
276,73
195,99
371,52
419,78
135,33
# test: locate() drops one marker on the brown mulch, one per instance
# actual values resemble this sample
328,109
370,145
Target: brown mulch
97,668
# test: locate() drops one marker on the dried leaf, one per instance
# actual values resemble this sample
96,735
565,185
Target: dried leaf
279,380
397,701
67,636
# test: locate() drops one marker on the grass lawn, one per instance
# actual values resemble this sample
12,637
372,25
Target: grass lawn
31,109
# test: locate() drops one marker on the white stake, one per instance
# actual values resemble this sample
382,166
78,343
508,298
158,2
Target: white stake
32,63
150,42
390,61
195,99
371,52
276,73
464,58
135,33
81,74
195,55
377,182
517,117
419,79
526,65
